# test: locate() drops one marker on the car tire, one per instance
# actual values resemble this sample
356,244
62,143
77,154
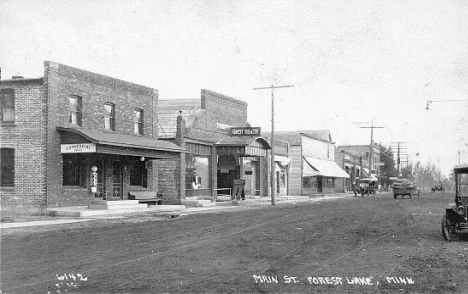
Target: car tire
448,229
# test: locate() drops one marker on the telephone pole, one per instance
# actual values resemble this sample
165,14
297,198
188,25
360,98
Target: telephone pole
398,156
272,159
371,143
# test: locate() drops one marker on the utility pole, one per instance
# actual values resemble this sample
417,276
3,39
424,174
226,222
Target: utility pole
272,159
371,151
398,156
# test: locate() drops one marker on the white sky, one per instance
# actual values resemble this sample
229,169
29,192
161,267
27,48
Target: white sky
349,61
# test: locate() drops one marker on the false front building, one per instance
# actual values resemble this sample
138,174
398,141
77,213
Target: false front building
312,169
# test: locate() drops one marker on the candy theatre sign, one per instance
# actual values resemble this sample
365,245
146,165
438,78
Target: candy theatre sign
244,131
78,148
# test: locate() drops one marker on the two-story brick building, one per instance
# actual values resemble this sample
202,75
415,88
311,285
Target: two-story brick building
58,128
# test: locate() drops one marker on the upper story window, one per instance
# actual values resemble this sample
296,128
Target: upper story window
109,116
74,110
138,121
8,105
8,167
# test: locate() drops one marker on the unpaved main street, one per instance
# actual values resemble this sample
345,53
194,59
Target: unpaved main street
349,245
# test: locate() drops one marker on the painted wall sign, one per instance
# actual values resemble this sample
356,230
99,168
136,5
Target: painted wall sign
223,126
245,131
78,148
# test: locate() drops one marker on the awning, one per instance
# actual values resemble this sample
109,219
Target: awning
282,160
112,143
369,175
308,170
243,146
325,168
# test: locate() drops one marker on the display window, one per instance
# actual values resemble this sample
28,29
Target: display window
74,172
197,174
309,182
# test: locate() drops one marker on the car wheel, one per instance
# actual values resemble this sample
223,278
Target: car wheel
448,228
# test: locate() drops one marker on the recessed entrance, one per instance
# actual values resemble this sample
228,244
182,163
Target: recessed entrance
228,170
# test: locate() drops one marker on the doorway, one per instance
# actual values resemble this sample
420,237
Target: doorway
117,176
227,171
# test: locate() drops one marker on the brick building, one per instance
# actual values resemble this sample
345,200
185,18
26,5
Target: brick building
353,165
364,152
215,158
55,129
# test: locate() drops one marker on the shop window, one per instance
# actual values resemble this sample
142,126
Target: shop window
74,110
8,167
74,170
309,182
330,183
197,175
109,116
8,105
138,173
138,121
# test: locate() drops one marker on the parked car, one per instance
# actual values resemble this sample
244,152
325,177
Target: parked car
455,219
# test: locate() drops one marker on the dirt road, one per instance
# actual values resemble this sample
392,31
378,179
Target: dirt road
351,245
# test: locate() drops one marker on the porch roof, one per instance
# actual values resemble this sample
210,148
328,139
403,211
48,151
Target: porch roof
125,144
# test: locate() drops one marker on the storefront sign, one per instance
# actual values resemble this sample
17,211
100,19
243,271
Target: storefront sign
244,131
223,126
78,148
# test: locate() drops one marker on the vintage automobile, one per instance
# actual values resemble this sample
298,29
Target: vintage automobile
455,219
367,186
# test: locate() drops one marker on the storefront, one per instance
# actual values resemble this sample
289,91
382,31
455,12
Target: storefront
320,175
242,158
108,165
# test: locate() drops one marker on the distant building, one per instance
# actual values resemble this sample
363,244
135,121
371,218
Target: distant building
364,152
312,168
58,128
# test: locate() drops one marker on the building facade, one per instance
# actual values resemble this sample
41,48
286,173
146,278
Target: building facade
215,155
73,136
312,167
353,165
364,152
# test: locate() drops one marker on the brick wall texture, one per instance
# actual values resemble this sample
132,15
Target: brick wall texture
41,106
27,136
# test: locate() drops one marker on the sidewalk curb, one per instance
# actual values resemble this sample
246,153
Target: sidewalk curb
189,210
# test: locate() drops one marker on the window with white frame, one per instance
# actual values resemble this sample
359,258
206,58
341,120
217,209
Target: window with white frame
8,105
74,110
138,121
109,116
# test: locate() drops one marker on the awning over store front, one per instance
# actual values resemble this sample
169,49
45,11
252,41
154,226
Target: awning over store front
324,168
369,175
282,160
112,143
243,146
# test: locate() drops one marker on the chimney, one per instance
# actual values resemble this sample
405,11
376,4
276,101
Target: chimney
180,135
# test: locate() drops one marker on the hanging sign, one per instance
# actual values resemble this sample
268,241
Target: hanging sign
244,131
78,148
